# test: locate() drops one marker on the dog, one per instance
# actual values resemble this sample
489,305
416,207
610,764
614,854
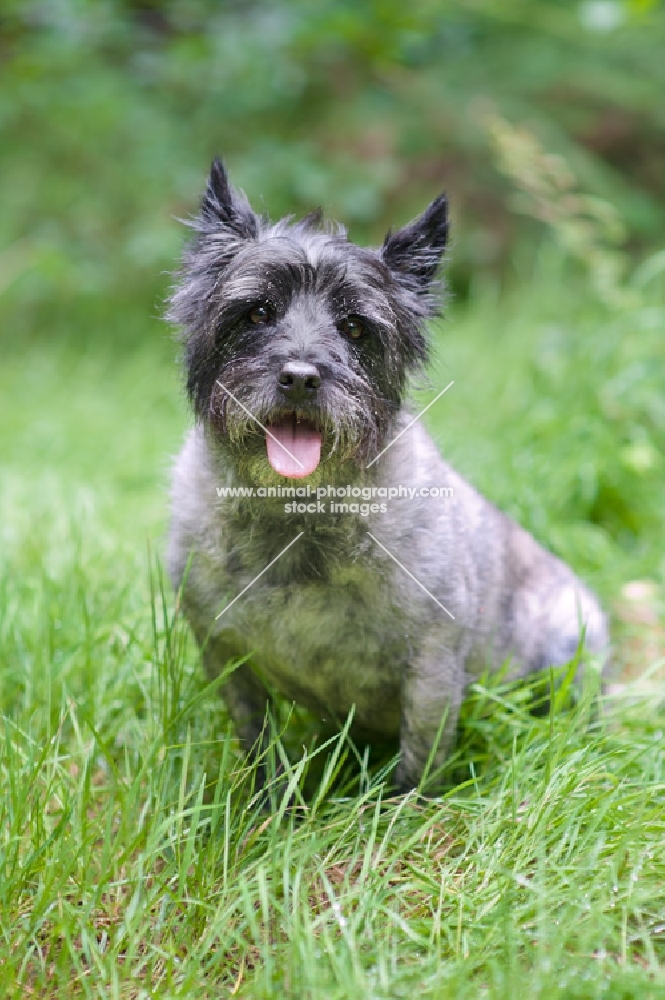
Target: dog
317,538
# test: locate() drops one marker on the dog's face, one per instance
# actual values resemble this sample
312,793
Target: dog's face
298,343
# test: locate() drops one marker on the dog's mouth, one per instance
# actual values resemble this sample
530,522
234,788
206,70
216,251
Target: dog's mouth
294,447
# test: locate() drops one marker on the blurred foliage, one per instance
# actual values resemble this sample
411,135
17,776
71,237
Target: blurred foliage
587,228
110,111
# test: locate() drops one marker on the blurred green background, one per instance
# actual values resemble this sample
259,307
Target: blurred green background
545,123
110,111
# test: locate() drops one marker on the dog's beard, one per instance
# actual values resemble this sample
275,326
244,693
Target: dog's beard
344,430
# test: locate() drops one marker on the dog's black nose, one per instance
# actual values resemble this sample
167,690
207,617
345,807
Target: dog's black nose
299,380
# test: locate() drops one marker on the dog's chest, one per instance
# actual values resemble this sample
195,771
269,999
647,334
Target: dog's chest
330,645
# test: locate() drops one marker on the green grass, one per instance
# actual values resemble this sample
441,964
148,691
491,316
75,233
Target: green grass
136,861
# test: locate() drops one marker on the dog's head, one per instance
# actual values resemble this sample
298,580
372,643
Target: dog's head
298,343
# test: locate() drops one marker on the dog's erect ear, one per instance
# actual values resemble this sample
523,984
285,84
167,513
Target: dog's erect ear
416,250
222,204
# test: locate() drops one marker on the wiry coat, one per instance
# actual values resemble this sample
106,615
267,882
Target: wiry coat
338,621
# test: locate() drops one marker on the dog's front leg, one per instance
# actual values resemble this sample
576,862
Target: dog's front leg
432,690
244,695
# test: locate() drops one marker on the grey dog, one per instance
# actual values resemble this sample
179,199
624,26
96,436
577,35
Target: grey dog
299,346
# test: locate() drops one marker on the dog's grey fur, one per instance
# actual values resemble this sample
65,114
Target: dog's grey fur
336,623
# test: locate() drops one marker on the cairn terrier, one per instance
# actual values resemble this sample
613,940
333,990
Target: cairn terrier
345,581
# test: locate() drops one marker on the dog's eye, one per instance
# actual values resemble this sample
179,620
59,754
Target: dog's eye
352,327
260,314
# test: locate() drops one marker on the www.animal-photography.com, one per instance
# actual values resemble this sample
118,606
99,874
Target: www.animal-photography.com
332,659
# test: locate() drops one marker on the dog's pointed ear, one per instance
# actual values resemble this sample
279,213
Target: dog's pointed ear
222,204
416,250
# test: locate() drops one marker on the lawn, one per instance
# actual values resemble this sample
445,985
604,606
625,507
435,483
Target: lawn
136,861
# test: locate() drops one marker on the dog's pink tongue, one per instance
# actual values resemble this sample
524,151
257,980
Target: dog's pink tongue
294,450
